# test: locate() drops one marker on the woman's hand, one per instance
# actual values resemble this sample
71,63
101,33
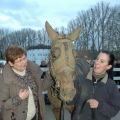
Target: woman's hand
93,103
23,93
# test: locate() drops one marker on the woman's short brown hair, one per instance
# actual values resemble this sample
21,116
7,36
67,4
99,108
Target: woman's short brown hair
14,52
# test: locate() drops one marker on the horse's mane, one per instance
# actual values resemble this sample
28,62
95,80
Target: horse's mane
81,70
82,66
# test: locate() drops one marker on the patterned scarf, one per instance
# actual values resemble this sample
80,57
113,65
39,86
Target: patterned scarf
29,80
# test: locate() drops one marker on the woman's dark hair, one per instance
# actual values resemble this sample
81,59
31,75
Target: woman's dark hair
111,57
110,62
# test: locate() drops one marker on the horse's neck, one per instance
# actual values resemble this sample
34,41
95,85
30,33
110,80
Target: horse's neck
82,67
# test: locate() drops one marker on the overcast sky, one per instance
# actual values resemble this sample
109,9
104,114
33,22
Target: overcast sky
17,14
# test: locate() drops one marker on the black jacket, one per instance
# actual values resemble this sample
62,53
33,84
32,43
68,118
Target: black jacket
105,91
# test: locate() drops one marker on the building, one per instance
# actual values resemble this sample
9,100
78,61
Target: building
38,55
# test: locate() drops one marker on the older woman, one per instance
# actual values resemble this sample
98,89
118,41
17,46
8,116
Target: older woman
98,97
21,87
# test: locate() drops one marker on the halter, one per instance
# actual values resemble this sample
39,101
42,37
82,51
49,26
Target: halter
56,83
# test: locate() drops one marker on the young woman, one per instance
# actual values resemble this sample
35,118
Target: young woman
98,97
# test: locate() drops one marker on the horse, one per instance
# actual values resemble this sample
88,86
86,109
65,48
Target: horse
62,66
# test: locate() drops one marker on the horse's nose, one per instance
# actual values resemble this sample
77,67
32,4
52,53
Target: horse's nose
68,95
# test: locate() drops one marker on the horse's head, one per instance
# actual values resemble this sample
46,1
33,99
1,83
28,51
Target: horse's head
62,62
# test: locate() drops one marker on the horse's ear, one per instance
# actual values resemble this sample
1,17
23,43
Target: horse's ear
51,33
75,34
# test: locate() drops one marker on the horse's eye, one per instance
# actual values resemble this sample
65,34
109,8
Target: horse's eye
55,52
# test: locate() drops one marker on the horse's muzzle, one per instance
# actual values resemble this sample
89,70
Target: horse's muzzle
67,95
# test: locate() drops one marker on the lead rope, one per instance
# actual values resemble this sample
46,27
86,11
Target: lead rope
93,95
62,112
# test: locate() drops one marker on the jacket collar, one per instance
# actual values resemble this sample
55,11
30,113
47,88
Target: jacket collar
104,80
8,74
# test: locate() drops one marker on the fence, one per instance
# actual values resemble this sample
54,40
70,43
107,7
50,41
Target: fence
116,76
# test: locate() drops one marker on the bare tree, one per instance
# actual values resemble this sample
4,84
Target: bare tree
100,28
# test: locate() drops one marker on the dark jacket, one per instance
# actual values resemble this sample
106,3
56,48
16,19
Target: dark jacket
13,108
105,91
